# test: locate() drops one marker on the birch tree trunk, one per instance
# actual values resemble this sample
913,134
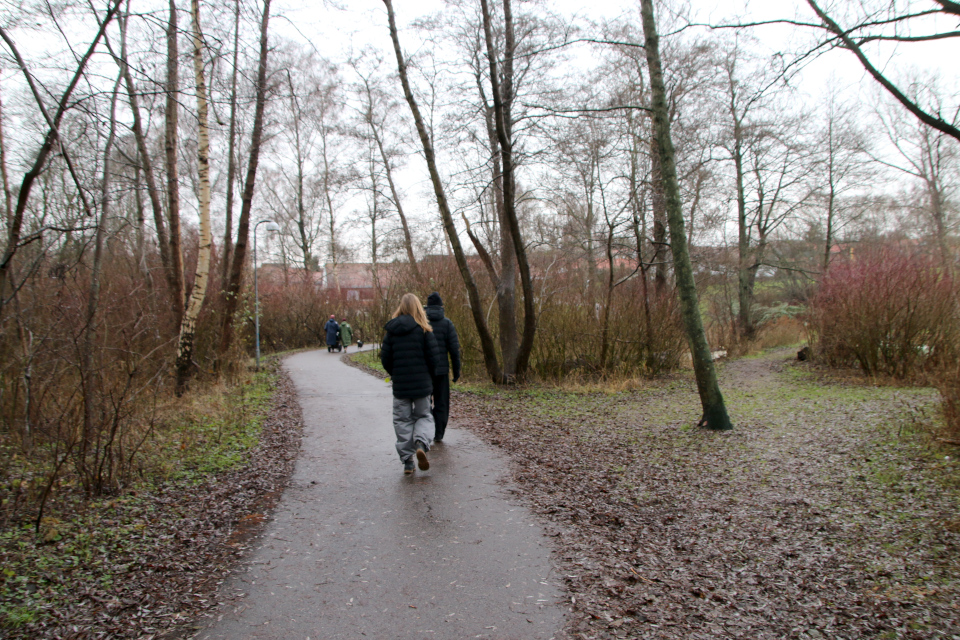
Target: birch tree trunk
714,410
7,196
188,326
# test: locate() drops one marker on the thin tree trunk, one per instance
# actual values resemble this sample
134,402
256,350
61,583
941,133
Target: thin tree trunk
407,237
170,149
506,281
301,208
639,232
476,308
141,239
334,250
714,410
831,197
93,299
7,196
231,158
744,316
146,164
388,170
374,213
189,325
659,206
939,222
482,252
243,231
605,321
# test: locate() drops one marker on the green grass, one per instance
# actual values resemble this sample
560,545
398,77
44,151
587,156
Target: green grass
205,444
370,359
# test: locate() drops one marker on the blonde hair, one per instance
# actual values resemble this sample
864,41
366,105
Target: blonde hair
410,306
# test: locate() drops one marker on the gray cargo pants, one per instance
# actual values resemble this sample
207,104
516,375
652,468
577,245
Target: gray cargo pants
412,421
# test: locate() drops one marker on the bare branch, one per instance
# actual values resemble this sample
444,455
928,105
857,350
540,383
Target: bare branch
937,123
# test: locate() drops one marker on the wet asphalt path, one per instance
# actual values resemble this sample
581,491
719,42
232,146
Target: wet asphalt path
358,550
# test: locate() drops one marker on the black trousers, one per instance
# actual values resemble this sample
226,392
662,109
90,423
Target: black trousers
441,403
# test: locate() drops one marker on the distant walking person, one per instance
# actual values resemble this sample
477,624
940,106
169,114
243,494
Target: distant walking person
409,354
346,334
448,342
331,328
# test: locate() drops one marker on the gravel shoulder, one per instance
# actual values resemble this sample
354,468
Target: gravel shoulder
824,513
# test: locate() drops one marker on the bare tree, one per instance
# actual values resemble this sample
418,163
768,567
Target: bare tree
243,231
188,326
841,155
486,340
171,144
227,251
145,164
15,228
762,144
714,410
93,294
373,95
929,157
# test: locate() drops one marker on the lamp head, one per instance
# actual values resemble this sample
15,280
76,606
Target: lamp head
273,226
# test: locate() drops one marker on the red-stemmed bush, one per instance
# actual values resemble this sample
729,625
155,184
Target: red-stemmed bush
888,310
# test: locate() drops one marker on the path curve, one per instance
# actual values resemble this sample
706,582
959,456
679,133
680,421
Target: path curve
356,549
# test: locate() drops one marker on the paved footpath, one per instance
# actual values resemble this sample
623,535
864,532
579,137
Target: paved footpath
358,550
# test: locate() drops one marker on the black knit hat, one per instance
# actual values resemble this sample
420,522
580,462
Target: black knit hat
434,299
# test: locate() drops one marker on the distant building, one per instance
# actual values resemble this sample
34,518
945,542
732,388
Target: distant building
355,280
278,274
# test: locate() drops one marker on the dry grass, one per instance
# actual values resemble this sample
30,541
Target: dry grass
785,331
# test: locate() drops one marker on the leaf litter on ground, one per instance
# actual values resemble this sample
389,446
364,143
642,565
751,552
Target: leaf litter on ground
824,513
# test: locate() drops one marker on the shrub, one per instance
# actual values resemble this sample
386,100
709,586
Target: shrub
949,385
888,311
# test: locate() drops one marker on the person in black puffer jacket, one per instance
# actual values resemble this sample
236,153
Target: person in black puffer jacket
448,342
409,353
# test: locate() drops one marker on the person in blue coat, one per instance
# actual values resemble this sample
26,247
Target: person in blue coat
409,354
332,329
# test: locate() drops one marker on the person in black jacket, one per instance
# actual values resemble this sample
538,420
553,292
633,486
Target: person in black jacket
409,353
448,342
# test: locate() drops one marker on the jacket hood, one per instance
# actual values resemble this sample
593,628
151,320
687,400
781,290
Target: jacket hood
434,298
434,312
401,325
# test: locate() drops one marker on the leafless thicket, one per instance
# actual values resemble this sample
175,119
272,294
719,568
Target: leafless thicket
588,215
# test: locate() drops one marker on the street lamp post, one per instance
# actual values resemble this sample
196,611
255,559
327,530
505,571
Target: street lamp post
271,226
